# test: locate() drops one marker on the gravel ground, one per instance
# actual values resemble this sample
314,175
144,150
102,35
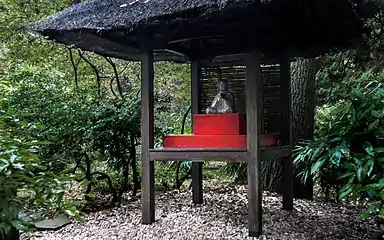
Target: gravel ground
222,216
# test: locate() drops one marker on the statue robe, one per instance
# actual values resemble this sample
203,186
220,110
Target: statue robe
224,102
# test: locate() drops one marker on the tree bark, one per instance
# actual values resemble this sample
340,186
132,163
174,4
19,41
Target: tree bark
303,76
303,89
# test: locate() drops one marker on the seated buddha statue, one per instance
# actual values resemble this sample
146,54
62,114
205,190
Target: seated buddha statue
224,101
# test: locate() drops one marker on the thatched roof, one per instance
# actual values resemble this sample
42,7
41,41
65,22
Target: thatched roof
219,26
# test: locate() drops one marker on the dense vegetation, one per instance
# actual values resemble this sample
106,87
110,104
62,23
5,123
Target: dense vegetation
70,122
346,156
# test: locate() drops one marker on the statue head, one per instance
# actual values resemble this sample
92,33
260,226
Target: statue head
223,85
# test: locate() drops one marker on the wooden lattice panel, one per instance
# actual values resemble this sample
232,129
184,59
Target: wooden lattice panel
235,74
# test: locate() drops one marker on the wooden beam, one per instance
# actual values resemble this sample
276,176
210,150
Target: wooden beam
197,167
219,155
254,118
181,54
147,140
272,153
285,131
199,155
196,38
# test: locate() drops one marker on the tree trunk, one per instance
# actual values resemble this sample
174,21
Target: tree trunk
303,75
303,89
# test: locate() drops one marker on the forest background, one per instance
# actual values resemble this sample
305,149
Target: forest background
70,123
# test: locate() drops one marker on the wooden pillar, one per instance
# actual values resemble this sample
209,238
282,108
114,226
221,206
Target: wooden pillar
254,119
14,234
285,131
147,141
197,167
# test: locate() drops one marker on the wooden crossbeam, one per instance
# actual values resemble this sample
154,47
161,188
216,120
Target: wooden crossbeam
197,155
211,155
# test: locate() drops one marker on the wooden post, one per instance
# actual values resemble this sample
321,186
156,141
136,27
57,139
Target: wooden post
197,167
285,131
254,119
147,141
13,235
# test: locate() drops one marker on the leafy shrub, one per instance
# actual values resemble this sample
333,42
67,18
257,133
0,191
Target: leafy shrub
25,184
347,151
114,132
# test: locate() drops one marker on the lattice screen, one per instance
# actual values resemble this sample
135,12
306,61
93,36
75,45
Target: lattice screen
235,74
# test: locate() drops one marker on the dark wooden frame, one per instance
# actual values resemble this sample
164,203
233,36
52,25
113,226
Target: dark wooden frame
254,120
197,167
147,137
252,154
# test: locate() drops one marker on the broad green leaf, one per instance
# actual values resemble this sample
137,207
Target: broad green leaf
335,140
375,186
349,165
345,175
21,225
379,150
345,193
336,157
317,165
369,149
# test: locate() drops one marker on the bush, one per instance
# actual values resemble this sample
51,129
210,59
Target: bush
347,151
26,185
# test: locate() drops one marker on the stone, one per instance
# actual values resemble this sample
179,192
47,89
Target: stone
224,101
53,224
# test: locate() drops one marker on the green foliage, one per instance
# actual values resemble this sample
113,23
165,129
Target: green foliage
17,160
18,44
364,178
346,152
81,135
31,102
25,184
238,171
43,97
111,128
347,144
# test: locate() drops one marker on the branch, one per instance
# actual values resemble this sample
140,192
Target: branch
95,70
104,176
77,166
125,68
179,182
184,119
75,66
116,75
109,181
111,87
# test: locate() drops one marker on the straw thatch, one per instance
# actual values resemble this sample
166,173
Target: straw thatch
222,26
111,15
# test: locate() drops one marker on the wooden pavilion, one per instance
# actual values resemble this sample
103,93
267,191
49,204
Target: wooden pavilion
212,34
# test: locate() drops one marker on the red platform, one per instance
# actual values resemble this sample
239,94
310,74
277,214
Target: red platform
217,131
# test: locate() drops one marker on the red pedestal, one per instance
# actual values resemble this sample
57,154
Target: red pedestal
219,124
217,131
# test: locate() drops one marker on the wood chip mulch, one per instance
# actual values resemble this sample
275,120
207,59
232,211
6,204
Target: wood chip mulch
222,216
